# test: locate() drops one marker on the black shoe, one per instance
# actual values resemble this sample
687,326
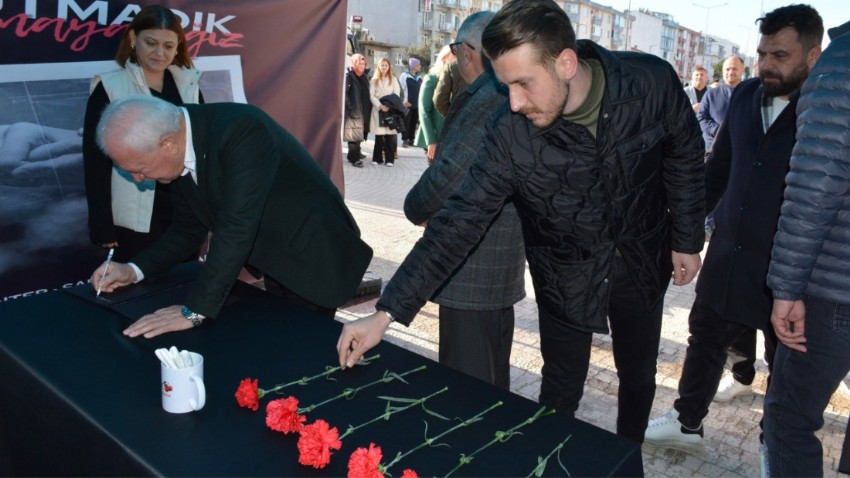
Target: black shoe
357,164
362,156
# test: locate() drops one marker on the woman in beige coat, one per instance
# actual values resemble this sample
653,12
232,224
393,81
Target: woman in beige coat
383,84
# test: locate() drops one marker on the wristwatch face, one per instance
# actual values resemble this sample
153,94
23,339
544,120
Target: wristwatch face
193,317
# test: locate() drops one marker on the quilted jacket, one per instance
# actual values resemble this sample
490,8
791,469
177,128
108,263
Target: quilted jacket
637,188
811,251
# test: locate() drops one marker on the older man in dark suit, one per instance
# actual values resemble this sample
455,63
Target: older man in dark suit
240,175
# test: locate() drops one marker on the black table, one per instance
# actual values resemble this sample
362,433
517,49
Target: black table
79,398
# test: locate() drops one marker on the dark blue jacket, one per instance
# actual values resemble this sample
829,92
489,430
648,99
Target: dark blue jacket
745,179
812,251
712,110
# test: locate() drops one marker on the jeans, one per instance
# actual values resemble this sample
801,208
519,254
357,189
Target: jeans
710,337
801,388
635,334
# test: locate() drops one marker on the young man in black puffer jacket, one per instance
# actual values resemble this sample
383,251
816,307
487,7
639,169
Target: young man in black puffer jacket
603,157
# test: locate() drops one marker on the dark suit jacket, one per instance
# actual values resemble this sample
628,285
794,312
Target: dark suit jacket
269,206
745,180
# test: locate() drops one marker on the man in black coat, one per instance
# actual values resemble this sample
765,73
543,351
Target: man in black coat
745,179
358,109
603,158
236,173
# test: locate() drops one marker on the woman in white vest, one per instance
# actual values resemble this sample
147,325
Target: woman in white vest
154,60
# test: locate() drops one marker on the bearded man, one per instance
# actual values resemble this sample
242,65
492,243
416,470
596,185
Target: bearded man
745,180
601,154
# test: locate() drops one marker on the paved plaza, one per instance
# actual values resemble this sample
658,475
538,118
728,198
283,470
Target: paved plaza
375,196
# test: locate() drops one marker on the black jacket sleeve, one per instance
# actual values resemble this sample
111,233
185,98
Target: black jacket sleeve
97,169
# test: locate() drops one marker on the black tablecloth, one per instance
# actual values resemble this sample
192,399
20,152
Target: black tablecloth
79,398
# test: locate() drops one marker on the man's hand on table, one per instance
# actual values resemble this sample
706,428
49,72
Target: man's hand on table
118,275
169,319
360,336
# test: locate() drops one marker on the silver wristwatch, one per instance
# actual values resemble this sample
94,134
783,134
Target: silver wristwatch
390,316
193,317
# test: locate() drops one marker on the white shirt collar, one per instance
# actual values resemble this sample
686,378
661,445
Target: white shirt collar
189,160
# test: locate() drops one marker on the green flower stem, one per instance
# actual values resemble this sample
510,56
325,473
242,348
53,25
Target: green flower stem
501,437
430,441
305,380
541,462
390,411
351,392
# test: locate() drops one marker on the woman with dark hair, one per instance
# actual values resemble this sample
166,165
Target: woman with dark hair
154,60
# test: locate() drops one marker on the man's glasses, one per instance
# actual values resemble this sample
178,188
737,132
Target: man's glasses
455,47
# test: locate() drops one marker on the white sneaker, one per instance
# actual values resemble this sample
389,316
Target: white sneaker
668,431
730,388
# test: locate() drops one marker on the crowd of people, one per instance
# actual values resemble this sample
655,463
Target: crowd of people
595,167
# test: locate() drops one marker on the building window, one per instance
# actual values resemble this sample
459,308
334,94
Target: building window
399,59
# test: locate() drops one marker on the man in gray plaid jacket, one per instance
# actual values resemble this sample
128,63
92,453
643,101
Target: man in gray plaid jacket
476,301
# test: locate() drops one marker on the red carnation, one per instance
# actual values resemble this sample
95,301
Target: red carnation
315,444
282,415
248,395
408,473
366,463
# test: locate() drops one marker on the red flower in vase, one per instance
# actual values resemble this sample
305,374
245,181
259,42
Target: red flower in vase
248,395
316,442
365,463
282,415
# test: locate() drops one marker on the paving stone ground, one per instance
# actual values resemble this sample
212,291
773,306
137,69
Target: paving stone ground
375,196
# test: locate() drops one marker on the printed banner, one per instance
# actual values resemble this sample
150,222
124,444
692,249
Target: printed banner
285,56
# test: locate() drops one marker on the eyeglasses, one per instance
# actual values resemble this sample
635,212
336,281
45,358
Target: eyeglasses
454,47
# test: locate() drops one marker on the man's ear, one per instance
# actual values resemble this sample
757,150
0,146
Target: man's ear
813,56
169,146
566,64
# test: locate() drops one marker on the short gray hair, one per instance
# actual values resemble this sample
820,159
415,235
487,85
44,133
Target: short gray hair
138,123
472,28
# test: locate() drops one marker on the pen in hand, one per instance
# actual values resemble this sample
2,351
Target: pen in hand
106,268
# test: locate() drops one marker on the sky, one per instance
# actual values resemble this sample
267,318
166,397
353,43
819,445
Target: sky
734,21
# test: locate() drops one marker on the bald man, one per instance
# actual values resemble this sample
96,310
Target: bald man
713,106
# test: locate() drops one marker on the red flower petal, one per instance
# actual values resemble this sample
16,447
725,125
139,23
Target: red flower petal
247,395
364,463
408,473
282,415
316,442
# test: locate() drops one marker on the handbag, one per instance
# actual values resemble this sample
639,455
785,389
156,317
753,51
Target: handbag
387,120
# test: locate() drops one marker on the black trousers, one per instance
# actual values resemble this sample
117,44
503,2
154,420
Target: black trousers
411,121
276,288
742,357
710,336
353,152
635,333
478,343
385,146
